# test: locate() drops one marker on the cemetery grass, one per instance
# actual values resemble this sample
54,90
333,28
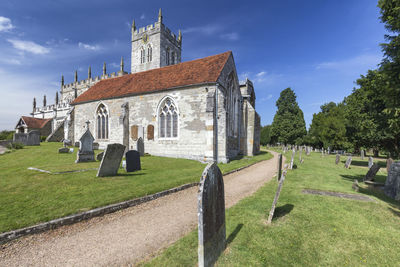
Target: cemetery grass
307,230
29,197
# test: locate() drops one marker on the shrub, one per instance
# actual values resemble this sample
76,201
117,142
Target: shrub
15,146
43,138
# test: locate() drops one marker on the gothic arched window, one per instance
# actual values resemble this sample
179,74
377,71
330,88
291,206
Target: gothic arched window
142,55
167,57
168,119
149,53
173,58
102,122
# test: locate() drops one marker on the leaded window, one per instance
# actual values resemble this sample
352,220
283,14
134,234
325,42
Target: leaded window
102,122
142,55
168,119
149,54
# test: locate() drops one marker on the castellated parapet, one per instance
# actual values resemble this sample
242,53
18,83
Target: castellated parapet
154,46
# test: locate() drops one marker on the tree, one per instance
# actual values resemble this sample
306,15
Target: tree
288,125
265,138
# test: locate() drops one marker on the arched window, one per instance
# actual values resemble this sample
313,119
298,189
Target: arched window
168,119
167,57
102,122
173,58
231,111
142,55
149,54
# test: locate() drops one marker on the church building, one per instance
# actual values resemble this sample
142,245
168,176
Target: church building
195,109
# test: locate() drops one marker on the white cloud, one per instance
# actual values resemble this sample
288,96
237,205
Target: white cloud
206,29
233,36
11,61
5,24
142,16
354,63
29,46
89,47
261,74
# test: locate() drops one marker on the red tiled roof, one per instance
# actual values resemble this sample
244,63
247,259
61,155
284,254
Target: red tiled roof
197,71
35,122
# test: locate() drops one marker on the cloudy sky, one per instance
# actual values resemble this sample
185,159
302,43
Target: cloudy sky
318,48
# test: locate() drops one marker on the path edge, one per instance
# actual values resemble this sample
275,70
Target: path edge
86,215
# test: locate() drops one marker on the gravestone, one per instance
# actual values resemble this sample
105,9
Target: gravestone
63,150
292,159
76,144
96,146
211,216
85,152
132,161
370,162
279,167
348,162
337,159
99,156
362,154
389,162
392,184
301,161
370,176
140,146
111,160
67,142
278,192
308,151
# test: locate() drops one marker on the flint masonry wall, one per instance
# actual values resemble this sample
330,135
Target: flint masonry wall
195,126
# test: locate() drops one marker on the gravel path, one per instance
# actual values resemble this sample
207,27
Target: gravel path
129,235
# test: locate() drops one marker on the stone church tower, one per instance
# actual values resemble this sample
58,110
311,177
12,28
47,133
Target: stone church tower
154,46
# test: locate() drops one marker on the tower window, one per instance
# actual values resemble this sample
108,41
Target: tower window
142,55
167,56
149,54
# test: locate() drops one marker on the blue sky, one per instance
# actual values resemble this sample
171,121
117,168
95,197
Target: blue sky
318,48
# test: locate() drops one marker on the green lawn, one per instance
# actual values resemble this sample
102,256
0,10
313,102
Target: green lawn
307,230
28,197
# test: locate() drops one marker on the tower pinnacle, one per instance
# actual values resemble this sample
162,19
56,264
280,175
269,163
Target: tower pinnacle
90,72
62,80
104,69
122,64
160,16
76,76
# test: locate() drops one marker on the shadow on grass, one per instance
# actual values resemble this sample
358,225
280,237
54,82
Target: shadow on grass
373,191
129,174
239,157
234,233
359,163
282,211
395,212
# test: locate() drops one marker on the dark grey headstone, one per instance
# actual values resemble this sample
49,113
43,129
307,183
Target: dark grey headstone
279,167
132,161
76,144
96,146
211,215
111,160
348,162
370,176
140,146
63,150
392,184
389,162
370,162
99,156
337,159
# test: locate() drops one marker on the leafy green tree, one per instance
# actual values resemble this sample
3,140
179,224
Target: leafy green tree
288,125
265,138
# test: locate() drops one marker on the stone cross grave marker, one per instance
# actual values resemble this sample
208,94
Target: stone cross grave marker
392,184
348,162
140,146
278,192
389,162
279,167
370,176
211,215
111,160
132,161
337,159
85,152
292,159
370,162
362,154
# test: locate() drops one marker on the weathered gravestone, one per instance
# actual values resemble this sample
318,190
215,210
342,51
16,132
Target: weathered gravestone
99,156
67,142
76,144
370,176
370,162
63,150
140,146
348,162
279,167
96,146
29,139
362,154
111,160
132,161
292,159
392,184
85,152
337,159
211,215
278,192
301,161
389,162
308,151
